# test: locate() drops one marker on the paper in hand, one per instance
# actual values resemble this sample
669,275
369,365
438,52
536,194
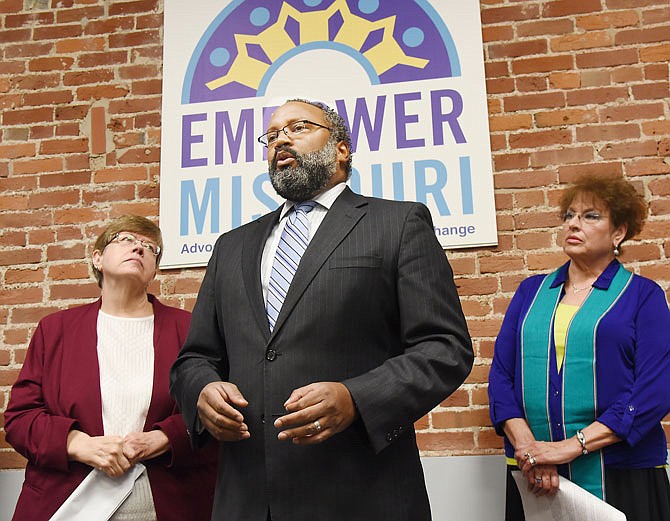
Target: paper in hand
98,496
571,503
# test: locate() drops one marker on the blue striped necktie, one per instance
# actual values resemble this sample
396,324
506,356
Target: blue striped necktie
292,244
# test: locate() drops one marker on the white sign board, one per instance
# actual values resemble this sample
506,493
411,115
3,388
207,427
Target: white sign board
406,76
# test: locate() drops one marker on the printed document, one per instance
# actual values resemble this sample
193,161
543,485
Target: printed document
571,503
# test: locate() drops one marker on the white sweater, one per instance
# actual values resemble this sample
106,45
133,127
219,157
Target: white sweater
126,360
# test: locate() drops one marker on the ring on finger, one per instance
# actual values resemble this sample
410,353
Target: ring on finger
317,426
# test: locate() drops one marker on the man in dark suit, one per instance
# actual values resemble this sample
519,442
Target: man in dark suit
313,393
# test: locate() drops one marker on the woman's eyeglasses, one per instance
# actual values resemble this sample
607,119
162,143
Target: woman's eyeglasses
585,218
128,239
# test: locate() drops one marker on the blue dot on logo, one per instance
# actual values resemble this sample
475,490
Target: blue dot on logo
259,16
311,3
413,37
368,6
219,57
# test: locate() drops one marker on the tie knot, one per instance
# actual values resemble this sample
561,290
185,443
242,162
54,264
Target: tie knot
305,207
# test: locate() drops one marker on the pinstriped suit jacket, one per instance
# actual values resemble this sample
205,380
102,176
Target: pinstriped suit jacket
372,305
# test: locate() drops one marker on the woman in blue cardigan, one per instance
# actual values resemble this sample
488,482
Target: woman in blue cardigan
581,370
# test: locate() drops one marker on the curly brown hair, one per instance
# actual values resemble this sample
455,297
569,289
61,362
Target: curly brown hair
132,224
625,205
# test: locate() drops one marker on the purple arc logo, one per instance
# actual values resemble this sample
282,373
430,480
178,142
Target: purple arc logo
392,41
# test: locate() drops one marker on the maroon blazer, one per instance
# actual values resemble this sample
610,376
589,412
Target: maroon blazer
58,389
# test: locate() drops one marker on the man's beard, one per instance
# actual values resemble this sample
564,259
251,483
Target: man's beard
308,176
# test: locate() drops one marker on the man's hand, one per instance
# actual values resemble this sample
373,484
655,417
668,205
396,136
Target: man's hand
217,411
140,446
316,412
104,453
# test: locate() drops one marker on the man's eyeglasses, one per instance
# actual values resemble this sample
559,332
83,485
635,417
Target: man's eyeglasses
586,218
292,129
128,239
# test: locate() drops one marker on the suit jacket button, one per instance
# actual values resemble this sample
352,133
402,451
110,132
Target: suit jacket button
389,437
271,355
263,419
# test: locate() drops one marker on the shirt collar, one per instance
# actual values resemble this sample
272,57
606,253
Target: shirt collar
602,282
325,199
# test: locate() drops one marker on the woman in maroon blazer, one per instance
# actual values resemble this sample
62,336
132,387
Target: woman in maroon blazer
92,395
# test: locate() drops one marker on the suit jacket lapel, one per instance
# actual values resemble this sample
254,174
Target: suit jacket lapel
343,215
252,252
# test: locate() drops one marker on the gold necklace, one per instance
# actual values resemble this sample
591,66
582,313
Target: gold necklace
575,289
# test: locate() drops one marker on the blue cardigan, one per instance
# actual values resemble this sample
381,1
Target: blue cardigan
632,370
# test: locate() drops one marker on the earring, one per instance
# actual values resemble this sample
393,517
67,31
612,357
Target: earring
616,251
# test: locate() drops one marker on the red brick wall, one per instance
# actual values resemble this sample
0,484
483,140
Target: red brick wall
573,86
